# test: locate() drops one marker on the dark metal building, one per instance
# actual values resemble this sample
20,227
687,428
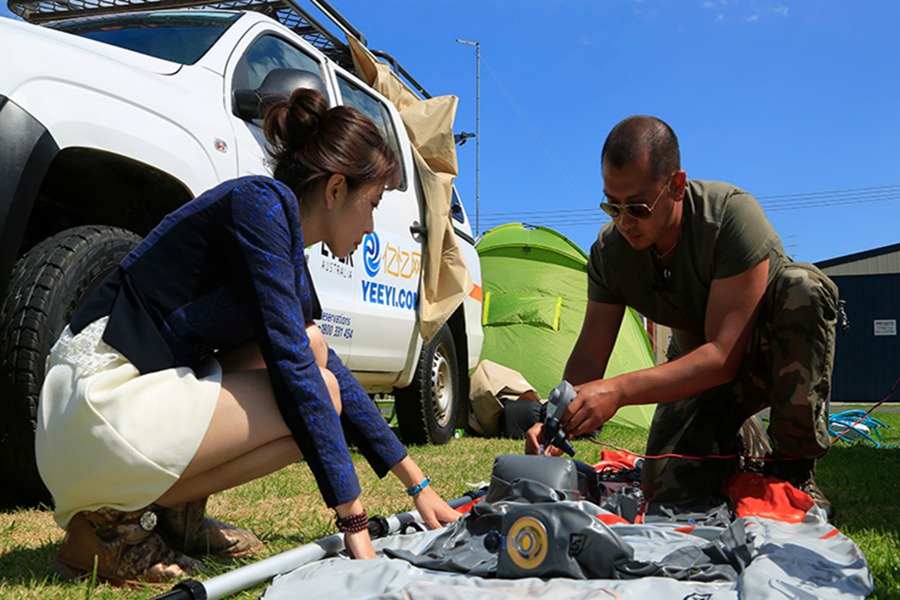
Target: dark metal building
867,355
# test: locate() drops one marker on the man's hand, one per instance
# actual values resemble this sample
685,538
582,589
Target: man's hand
534,440
594,404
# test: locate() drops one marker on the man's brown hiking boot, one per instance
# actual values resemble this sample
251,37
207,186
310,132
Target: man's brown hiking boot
801,473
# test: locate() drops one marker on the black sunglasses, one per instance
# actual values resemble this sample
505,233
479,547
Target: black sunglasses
637,210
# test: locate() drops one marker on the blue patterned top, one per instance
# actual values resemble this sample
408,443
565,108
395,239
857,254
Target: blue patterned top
225,269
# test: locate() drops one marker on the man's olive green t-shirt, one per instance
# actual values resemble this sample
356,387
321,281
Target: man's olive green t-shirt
725,232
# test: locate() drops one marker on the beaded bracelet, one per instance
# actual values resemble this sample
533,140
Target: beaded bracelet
352,523
418,488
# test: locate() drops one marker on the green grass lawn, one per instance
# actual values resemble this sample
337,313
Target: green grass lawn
285,510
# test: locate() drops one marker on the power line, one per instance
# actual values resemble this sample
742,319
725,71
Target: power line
826,203
774,203
520,112
894,188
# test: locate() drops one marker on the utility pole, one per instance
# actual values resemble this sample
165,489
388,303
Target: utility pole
477,130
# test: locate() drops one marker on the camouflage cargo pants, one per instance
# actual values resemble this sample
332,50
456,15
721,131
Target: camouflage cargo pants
787,367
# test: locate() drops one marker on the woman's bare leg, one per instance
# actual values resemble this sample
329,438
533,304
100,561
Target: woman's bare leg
241,441
317,344
248,357
253,465
247,437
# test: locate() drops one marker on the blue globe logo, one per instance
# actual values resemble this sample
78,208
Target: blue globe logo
372,254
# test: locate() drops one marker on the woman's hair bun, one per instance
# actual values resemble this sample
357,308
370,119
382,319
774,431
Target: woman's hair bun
292,123
309,141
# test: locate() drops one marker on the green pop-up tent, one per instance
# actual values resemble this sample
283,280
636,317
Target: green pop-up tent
535,294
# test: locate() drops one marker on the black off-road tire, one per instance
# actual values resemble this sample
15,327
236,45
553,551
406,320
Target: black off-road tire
429,408
47,285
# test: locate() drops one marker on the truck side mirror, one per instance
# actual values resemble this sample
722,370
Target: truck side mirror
279,84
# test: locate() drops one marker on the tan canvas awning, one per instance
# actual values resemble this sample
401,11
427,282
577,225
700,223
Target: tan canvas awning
429,124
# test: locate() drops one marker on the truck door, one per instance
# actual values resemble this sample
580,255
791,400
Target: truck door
332,276
264,53
387,266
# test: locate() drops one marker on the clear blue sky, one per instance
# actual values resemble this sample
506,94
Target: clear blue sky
792,100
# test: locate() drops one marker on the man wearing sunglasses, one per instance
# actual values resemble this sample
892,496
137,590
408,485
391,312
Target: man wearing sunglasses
750,328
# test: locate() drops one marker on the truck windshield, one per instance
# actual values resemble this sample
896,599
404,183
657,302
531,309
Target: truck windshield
181,37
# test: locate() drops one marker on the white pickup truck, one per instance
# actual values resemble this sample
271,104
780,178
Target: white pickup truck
115,112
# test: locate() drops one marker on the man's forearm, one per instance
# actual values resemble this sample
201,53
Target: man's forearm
595,343
698,370
582,368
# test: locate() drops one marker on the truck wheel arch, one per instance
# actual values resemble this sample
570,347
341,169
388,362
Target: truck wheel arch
87,186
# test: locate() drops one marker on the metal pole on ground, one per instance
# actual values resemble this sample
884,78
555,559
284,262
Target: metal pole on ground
250,575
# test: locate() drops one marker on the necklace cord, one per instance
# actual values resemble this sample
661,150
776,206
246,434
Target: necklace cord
658,256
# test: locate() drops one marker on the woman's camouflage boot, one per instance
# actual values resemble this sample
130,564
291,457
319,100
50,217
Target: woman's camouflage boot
187,528
126,547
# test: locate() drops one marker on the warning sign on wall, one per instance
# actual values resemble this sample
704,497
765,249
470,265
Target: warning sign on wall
885,327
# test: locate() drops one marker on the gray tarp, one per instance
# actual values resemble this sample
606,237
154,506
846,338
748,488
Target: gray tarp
810,559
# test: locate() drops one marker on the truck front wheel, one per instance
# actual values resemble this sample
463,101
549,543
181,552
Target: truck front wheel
47,285
429,407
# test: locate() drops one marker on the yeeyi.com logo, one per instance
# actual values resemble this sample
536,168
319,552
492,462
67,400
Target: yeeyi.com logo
372,254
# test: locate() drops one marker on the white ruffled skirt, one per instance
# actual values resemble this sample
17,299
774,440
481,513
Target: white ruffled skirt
109,436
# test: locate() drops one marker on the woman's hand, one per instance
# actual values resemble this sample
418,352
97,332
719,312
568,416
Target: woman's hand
433,510
359,544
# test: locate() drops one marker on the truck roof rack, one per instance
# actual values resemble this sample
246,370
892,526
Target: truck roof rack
289,13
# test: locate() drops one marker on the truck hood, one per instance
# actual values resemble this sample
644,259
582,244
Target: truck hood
44,50
84,92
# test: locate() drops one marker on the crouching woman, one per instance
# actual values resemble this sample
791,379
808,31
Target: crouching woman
196,367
